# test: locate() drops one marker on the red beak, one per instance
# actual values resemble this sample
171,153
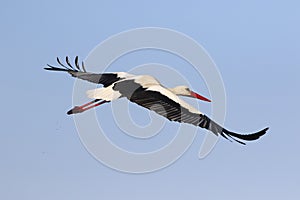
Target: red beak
198,96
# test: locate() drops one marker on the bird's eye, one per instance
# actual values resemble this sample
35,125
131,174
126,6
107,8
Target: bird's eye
187,89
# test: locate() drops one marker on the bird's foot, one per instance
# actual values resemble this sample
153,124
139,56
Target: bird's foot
75,110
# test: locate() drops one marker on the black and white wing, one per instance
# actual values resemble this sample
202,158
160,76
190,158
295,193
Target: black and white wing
80,72
165,103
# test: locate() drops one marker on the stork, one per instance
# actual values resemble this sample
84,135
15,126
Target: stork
147,92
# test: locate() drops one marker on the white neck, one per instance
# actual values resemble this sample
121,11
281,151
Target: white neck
180,90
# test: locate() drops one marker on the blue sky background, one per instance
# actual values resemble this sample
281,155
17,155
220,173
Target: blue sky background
256,47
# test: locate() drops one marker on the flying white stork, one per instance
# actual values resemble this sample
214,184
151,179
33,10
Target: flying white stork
146,91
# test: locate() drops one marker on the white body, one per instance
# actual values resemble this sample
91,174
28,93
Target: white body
148,82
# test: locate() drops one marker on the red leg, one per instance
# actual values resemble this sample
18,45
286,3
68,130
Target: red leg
80,109
92,106
89,103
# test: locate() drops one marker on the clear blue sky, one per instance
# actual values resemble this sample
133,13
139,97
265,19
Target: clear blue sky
256,47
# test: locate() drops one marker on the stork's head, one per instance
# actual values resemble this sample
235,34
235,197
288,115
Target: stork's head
185,91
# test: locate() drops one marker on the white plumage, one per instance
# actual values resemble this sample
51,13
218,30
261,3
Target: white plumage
146,91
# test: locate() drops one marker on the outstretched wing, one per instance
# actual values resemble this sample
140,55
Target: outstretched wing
167,104
207,123
80,72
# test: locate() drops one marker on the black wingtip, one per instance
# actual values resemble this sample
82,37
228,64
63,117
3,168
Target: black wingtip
67,68
246,137
258,134
265,130
51,68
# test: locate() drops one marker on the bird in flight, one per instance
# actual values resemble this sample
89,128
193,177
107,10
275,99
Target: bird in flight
147,92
